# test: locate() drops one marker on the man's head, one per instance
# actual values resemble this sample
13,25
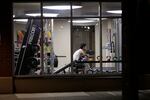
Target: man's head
83,46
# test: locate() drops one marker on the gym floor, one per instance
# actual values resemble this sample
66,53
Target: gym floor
102,95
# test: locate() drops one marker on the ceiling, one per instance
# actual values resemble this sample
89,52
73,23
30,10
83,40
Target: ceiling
88,9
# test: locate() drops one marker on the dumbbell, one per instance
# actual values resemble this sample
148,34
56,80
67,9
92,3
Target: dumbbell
33,62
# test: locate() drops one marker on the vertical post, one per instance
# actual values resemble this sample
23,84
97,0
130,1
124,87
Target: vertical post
42,41
130,75
71,37
101,64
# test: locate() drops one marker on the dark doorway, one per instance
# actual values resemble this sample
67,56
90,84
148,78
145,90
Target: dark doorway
83,34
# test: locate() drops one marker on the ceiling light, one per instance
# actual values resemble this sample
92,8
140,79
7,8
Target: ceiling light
13,16
44,14
63,7
33,14
104,18
95,19
50,15
82,21
21,20
115,11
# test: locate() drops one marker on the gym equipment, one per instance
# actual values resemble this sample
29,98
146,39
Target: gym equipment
32,61
90,52
26,61
63,68
55,61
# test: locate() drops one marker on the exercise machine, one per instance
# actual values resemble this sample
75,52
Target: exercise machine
26,59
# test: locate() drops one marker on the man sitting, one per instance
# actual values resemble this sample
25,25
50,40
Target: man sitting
80,55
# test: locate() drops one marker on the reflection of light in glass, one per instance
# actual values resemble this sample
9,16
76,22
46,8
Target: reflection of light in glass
61,7
104,18
95,19
50,15
44,14
21,20
115,11
88,27
82,21
33,14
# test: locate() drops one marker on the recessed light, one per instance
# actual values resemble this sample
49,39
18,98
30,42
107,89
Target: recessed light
50,15
33,14
115,11
61,7
104,18
21,20
44,14
82,21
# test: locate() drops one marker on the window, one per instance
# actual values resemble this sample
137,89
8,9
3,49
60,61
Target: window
46,39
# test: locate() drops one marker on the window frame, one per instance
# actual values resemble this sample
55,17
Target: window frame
71,25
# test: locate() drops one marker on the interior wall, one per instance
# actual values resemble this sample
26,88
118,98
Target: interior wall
61,40
105,36
97,43
105,39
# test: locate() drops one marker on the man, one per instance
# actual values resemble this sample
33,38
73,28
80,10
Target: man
80,52
80,55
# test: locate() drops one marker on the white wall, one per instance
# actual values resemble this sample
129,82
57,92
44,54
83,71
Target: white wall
105,39
105,36
61,41
97,43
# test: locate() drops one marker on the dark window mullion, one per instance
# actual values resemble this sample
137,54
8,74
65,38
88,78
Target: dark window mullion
42,41
101,65
71,36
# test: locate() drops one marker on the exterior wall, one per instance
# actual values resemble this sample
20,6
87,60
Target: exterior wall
67,84
6,56
5,49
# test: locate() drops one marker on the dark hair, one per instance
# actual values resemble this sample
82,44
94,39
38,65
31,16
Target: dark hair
82,45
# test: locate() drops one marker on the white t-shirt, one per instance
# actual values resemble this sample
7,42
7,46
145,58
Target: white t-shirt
77,54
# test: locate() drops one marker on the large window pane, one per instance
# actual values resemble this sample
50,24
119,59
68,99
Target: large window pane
111,9
56,43
27,46
54,9
109,67
86,9
111,42
49,52
86,30
26,10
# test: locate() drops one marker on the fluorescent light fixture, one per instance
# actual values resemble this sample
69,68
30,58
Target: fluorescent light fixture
20,20
61,7
95,19
44,14
33,14
50,15
104,18
82,21
115,11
